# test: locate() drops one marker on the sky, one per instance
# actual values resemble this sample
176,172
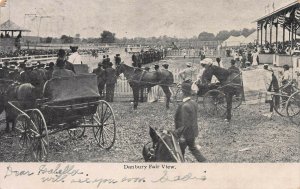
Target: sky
135,18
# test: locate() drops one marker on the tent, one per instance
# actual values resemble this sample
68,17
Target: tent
251,38
233,41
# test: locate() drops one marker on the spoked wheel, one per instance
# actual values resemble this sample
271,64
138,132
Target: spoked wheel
39,132
293,108
104,128
237,99
280,101
23,137
214,102
22,131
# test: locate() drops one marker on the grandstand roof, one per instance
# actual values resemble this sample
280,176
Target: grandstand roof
281,10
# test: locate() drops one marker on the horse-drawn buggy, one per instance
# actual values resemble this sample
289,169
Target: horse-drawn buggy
220,97
68,103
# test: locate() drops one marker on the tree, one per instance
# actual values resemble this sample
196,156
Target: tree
223,35
66,39
107,37
205,36
48,40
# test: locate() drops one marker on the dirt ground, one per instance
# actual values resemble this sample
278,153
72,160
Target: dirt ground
250,137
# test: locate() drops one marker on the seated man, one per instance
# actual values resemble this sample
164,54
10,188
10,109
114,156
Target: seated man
60,71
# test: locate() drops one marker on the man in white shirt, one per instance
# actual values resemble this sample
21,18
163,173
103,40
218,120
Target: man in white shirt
187,74
75,57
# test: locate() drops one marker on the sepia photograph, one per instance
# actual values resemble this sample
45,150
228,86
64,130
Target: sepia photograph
138,83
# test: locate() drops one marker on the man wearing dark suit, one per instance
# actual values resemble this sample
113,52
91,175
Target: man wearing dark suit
100,72
186,124
111,80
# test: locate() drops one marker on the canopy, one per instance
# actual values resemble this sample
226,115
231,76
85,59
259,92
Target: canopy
11,26
70,88
251,38
233,41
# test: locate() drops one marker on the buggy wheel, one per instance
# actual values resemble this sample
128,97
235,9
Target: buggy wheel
104,128
293,108
22,131
75,133
40,141
237,100
214,103
279,101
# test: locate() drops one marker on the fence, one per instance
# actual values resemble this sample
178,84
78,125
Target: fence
123,91
193,53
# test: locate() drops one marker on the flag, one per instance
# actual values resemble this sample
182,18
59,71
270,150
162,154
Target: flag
258,26
3,3
297,14
281,20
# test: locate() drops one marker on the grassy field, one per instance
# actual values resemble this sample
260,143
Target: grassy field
249,137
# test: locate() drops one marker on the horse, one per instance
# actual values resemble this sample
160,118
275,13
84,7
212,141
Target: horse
25,94
164,147
230,81
139,79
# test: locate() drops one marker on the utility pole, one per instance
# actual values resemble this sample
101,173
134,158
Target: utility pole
39,26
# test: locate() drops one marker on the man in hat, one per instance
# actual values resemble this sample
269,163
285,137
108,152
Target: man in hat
271,84
186,123
41,70
187,74
25,76
60,70
111,80
100,72
50,70
63,56
75,57
117,59
233,67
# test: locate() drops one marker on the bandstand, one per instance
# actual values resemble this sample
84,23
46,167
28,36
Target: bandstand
10,36
286,21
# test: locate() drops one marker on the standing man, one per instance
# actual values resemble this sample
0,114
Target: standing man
63,56
75,57
187,74
100,72
186,124
111,80
117,59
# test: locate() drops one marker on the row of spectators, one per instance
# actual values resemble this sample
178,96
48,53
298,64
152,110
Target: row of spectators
140,58
35,52
281,48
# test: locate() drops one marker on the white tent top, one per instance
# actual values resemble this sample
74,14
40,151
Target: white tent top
251,38
233,41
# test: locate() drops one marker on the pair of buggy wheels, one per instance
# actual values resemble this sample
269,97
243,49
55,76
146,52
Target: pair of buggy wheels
32,134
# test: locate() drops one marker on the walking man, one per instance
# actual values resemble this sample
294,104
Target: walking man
186,123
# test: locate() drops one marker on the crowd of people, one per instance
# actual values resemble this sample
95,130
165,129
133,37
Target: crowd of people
35,52
145,57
